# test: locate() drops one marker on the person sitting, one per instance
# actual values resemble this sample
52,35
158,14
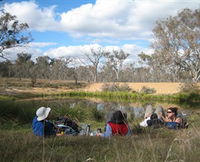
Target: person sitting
172,121
151,118
40,125
118,125
154,121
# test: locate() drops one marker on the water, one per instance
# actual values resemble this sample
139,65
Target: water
81,110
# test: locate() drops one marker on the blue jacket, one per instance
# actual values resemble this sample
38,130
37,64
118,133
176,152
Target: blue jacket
43,128
172,125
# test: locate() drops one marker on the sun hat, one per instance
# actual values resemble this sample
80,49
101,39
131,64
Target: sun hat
42,113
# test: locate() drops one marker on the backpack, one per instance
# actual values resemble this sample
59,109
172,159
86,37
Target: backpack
66,124
184,123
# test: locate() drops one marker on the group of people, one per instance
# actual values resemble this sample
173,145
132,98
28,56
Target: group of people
117,124
157,118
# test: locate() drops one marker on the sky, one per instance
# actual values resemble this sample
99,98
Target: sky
62,28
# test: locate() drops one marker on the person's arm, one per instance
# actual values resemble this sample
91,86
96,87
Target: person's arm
129,133
108,132
165,119
178,120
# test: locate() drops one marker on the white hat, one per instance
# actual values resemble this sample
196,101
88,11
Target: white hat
42,113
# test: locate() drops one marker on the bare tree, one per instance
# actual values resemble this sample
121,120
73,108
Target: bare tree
177,42
11,33
94,58
116,60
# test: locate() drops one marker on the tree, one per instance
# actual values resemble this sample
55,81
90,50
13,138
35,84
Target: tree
5,70
59,68
94,58
116,60
23,64
11,33
178,43
43,67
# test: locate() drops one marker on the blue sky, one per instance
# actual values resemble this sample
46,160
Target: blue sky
62,28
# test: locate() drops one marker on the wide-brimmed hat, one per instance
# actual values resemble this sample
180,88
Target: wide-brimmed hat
42,113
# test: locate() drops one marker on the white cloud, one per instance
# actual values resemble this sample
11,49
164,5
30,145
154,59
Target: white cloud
40,19
125,19
41,44
71,51
76,52
11,53
79,51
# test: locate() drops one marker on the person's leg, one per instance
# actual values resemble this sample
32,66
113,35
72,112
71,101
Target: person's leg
160,111
149,111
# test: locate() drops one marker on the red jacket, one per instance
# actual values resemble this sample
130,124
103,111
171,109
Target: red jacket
118,129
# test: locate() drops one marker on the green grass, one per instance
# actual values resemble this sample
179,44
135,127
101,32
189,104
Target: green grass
187,99
152,145
19,113
17,143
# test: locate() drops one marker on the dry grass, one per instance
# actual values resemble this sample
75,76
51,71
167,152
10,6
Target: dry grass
161,88
15,85
157,145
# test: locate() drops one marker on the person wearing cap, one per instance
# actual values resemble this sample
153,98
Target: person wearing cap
40,125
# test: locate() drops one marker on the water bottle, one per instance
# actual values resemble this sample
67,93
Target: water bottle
88,130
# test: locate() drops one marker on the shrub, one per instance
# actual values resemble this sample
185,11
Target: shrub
116,87
98,115
190,88
147,90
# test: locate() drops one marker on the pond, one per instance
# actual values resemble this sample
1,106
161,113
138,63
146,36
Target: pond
88,110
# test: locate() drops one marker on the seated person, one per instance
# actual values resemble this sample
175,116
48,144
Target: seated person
152,118
40,125
154,121
172,120
118,125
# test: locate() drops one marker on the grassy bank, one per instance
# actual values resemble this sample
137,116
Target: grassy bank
180,98
185,99
148,145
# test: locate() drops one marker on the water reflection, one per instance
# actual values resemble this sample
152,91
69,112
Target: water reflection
134,110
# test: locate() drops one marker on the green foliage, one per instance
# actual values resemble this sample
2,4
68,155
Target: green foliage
98,115
76,113
11,32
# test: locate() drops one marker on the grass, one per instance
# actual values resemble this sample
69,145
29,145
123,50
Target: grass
17,143
150,145
167,92
186,99
45,83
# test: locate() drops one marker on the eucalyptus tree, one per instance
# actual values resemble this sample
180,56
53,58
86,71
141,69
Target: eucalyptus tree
23,64
115,60
177,43
59,68
43,67
11,33
94,58
158,68
5,69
